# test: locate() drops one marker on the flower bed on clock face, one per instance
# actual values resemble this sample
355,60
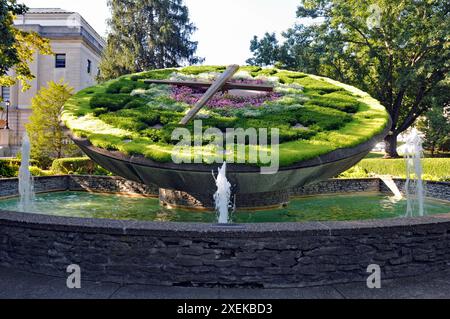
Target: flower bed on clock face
314,115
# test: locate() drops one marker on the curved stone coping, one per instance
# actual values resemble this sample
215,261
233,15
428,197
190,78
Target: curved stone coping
194,230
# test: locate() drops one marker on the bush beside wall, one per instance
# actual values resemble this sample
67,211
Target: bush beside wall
77,166
10,168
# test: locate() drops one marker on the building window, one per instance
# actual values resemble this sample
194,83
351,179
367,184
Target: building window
60,61
89,66
6,93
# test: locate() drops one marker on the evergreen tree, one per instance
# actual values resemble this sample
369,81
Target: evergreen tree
47,138
265,51
147,34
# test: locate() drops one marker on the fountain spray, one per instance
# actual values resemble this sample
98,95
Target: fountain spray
222,197
26,183
414,188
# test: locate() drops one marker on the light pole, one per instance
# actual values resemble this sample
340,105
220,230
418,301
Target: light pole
7,103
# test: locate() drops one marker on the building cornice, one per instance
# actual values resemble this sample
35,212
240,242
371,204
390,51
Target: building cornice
63,21
65,33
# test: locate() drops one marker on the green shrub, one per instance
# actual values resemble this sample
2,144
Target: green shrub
124,86
117,87
99,111
289,77
253,70
154,74
77,166
355,172
196,70
9,167
317,85
137,103
126,89
341,105
268,72
125,123
111,102
323,118
36,171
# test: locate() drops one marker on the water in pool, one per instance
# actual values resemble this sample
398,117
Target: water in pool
319,208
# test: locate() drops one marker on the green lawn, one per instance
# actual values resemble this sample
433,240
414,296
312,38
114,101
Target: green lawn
375,155
426,155
435,169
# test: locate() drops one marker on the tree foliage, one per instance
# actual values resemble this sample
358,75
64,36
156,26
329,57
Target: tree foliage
17,48
436,123
398,51
47,137
147,34
266,50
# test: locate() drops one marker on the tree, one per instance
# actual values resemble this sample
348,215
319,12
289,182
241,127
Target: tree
435,125
398,51
8,51
47,137
436,128
147,34
17,47
265,51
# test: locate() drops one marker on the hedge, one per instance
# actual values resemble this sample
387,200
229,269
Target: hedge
10,168
77,166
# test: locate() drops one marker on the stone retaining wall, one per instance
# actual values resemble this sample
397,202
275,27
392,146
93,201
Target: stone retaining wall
438,190
103,184
339,186
257,255
268,255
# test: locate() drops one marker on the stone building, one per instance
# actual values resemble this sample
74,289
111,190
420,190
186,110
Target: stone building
77,51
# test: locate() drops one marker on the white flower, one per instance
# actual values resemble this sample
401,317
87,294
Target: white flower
203,115
271,79
138,92
243,75
296,86
209,76
251,113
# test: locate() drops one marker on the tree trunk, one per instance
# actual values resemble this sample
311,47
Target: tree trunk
391,146
433,149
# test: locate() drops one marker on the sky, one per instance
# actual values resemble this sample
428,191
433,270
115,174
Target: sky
225,27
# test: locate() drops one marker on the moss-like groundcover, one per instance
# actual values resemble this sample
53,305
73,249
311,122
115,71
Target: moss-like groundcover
314,115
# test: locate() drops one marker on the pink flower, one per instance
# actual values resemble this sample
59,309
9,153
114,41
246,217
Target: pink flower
223,100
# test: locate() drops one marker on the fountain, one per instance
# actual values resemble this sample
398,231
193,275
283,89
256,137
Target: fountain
165,232
222,197
389,182
26,184
414,188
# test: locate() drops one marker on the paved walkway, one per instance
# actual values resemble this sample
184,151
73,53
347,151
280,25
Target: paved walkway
17,284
